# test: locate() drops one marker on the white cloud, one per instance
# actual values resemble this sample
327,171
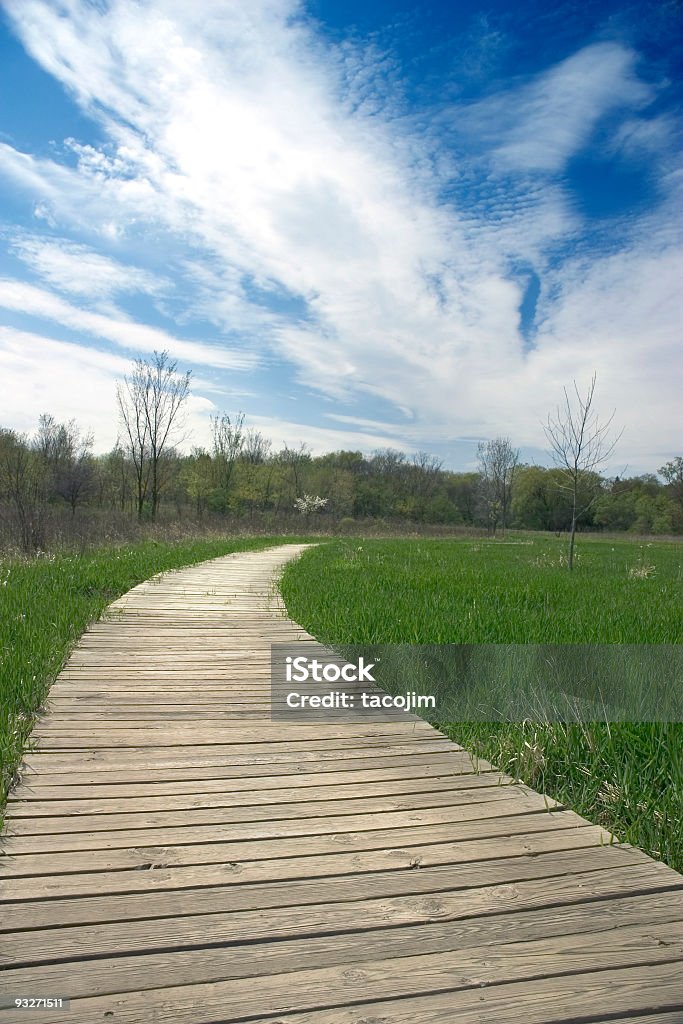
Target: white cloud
361,421
72,381
617,316
540,124
262,160
68,380
29,300
321,439
80,270
61,378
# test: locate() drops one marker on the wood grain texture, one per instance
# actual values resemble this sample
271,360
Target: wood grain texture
171,853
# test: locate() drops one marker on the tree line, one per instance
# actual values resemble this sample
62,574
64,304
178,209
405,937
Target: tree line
53,475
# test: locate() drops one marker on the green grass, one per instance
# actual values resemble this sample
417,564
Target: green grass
626,776
456,591
47,602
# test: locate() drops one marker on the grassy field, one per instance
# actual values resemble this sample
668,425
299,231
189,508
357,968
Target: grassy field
628,776
47,602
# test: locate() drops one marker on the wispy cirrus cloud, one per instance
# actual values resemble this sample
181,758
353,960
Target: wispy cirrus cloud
365,437
539,126
296,207
135,337
80,270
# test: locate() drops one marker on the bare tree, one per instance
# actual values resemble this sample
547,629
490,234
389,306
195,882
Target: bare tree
114,479
579,445
389,463
296,459
22,483
150,402
67,457
425,473
255,447
257,469
498,462
228,440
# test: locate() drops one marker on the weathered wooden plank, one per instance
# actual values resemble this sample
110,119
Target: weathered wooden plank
549,1000
665,1017
276,847
476,803
430,772
164,873
55,738
247,768
433,974
247,926
525,806
148,756
159,892
225,797
141,972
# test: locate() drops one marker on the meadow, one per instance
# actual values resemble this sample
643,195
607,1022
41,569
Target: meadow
47,602
625,775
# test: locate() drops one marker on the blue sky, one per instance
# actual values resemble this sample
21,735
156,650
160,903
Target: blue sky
363,224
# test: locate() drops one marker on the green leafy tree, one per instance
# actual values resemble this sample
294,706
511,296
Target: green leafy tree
673,474
197,476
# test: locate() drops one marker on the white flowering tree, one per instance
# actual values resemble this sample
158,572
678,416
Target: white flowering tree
310,503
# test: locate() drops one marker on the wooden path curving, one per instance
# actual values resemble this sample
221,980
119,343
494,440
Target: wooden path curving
172,855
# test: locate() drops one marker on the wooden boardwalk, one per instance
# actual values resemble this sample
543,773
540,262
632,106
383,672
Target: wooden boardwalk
173,855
